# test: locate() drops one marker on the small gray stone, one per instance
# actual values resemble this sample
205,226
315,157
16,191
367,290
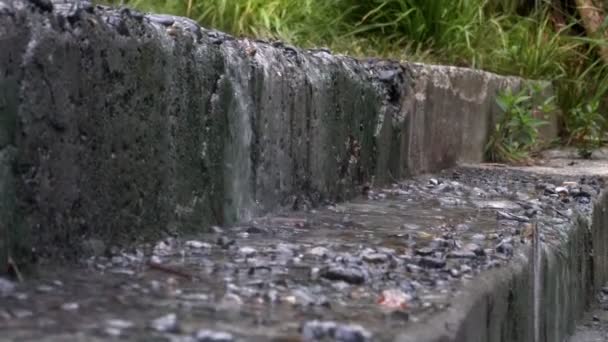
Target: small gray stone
247,251
73,306
119,324
475,248
461,254
167,323
7,287
197,244
205,335
317,330
478,237
318,251
22,313
426,251
376,258
44,288
351,333
505,247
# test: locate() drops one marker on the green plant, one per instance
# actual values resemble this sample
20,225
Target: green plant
516,133
586,128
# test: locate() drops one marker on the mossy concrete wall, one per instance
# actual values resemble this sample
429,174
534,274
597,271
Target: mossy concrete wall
118,126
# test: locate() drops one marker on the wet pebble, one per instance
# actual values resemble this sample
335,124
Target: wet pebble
505,247
586,191
430,262
425,251
197,244
44,288
119,324
162,248
349,274
318,251
475,248
247,251
375,258
73,306
167,323
462,227
548,188
352,333
7,287
225,242
205,335
319,330
22,313
462,254
478,237
304,297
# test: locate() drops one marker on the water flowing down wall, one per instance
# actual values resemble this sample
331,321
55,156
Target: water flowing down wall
119,126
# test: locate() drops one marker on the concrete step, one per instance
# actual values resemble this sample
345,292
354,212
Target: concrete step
477,253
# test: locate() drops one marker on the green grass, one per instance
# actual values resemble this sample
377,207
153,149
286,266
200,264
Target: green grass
503,36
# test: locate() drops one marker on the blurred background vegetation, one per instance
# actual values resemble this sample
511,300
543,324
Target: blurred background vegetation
564,41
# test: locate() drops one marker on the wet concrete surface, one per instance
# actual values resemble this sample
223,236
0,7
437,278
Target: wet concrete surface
594,325
356,271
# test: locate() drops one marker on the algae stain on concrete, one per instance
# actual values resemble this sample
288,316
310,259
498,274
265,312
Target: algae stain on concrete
8,118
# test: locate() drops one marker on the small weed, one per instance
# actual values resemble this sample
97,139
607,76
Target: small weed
586,128
516,133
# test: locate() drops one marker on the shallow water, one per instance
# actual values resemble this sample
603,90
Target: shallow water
263,280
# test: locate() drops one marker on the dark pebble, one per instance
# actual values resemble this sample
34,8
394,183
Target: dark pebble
349,274
505,247
254,230
429,262
44,5
225,242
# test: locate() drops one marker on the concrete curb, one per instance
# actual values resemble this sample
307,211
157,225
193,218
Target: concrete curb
130,125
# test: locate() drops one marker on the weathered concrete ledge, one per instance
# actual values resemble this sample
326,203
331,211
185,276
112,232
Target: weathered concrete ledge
543,292
116,125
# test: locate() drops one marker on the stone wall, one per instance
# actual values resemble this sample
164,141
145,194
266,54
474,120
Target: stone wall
118,126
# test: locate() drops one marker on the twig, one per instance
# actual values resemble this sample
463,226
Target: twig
14,270
170,270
